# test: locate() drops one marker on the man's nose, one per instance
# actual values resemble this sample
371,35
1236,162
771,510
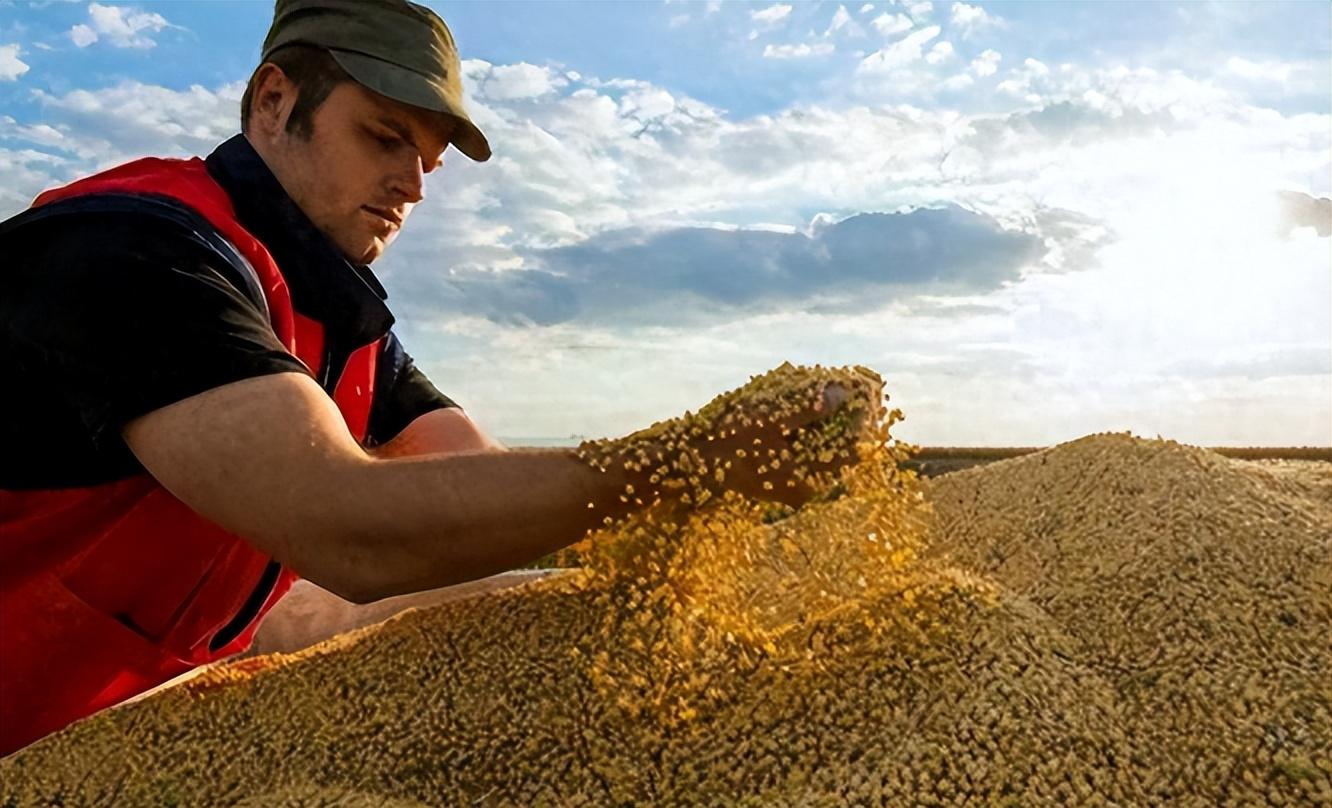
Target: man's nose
410,184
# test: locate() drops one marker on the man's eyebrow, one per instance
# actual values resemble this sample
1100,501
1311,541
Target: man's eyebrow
403,131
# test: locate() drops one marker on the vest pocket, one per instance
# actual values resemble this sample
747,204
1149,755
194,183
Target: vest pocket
66,659
249,611
148,567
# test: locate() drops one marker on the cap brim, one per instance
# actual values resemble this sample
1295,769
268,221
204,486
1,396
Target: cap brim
413,88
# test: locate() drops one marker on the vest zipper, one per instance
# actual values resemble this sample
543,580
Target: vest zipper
249,609
328,379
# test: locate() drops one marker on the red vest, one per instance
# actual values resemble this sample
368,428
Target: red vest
109,590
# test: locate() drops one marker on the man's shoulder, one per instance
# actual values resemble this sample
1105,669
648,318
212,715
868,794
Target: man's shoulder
115,227
104,211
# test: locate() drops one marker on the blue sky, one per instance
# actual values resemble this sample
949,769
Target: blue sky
706,57
1035,220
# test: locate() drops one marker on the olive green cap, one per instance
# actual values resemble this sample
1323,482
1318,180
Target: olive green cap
398,49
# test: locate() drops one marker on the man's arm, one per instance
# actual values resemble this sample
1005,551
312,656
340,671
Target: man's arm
270,458
309,614
442,430
410,416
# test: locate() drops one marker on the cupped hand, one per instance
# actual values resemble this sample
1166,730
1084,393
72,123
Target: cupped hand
758,456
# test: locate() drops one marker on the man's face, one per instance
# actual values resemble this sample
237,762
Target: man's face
362,169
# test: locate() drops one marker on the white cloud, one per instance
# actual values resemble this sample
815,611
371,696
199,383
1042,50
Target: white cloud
772,14
1029,81
712,7
41,134
131,119
842,20
867,8
899,54
23,174
970,19
799,51
122,26
987,63
647,104
82,35
919,9
678,20
889,24
959,82
521,80
941,52
11,66
88,130
1262,71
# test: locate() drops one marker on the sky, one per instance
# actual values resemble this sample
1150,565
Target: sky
1036,221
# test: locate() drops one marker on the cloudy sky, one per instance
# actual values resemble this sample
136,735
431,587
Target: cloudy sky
1036,221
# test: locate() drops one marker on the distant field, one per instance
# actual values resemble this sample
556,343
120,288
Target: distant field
932,461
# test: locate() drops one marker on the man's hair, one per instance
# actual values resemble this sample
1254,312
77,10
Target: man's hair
315,74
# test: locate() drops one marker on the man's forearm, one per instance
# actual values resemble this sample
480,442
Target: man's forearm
434,520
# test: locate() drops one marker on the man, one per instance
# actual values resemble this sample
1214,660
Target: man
206,399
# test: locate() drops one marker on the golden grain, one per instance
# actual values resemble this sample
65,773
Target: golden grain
1110,621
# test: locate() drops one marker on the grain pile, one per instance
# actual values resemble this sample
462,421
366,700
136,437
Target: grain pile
1109,621
1197,589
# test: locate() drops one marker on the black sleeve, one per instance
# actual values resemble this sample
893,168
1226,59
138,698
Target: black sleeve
107,316
402,393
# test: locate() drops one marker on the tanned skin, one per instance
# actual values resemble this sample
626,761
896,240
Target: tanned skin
271,459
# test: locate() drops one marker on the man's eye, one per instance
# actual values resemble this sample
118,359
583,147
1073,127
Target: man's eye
388,141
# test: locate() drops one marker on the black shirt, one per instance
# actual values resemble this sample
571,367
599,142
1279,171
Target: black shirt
114,306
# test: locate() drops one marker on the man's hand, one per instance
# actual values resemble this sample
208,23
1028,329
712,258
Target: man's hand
744,451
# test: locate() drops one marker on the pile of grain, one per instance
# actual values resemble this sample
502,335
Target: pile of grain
1109,621
1196,588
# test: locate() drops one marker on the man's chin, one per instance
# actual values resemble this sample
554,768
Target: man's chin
366,254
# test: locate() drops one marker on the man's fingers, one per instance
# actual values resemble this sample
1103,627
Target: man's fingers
833,397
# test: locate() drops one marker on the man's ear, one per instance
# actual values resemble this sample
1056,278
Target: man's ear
274,97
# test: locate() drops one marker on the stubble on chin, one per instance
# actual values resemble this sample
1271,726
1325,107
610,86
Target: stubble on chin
363,250
373,251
